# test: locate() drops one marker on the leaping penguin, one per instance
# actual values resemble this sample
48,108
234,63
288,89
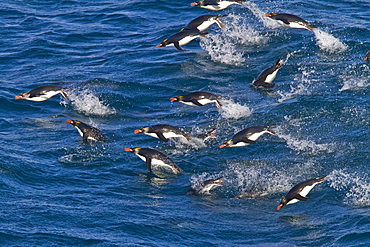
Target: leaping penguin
87,132
267,76
203,22
165,132
154,158
182,38
291,21
43,93
216,4
205,187
300,191
367,57
199,99
248,136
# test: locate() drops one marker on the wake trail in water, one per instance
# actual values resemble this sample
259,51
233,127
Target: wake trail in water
87,102
328,42
357,186
223,46
234,110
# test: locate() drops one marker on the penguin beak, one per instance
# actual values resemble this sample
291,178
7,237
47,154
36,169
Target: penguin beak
19,96
268,15
222,146
365,59
69,121
159,45
129,150
137,131
194,4
279,207
173,99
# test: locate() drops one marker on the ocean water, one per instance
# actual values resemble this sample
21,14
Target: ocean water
58,191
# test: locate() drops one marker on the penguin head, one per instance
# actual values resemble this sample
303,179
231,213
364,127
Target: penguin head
367,58
141,130
174,99
199,3
73,122
23,96
163,43
132,150
283,202
227,144
270,14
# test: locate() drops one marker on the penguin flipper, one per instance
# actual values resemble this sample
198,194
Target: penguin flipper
177,45
301,198
148,163
285,21
267,84
161,137
84,138
249,141
196,102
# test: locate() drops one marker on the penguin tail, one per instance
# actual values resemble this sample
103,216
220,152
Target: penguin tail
310,27
271,132
278,63
218,104
321,179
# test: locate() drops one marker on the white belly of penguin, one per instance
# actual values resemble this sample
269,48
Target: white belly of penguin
171,135
155,162
303,193
187,39
79,131
297,25
205,25
271,76
44,96
205,101
255,136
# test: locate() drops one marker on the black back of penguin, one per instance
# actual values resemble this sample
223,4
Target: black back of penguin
88,132
43,93
182,38
163,132
203,22
199,98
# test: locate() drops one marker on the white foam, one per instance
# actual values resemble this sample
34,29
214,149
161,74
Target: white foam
356,185
302,88
223,45
328,42
234,110
355,77
87,102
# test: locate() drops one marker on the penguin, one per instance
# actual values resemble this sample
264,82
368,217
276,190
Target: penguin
43,93
267,76
367,58
205,187
87,132
248,136
163,132
299,192
216,4
199,99
182,38
154,158
203,22
291,21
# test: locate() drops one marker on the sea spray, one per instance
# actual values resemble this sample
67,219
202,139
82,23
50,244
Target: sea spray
234,110
328,42
356,186
223,46
267,22
87,102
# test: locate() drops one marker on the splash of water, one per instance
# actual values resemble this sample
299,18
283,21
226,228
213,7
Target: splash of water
303,88
356,185
267,22
223,45
87,102
328,42
234,110
355,77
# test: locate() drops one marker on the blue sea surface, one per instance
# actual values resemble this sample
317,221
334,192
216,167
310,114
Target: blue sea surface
58,191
